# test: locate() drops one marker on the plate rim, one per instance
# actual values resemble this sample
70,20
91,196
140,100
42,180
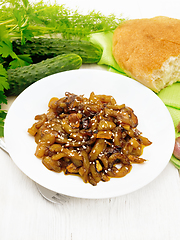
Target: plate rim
81,71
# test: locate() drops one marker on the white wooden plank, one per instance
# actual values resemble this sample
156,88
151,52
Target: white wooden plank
151,212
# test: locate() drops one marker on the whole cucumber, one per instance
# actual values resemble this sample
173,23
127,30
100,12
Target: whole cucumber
42,48
20,78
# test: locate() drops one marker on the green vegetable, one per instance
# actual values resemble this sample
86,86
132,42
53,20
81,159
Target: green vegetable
2,113
42,48
20,19
3,85
44,18
20,78
6,51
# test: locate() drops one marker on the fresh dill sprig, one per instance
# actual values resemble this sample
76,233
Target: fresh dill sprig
20,19
46,18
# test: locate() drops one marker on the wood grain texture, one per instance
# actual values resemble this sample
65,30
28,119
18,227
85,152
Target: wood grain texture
150,213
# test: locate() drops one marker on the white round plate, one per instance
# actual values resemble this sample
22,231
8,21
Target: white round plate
155,123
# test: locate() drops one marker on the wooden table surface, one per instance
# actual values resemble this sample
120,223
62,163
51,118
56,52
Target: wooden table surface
150,213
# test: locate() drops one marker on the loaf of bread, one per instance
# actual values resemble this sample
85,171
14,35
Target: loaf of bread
148,50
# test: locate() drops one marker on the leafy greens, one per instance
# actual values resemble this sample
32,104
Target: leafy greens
20,19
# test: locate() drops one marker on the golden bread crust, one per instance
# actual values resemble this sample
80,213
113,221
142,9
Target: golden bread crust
141,46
